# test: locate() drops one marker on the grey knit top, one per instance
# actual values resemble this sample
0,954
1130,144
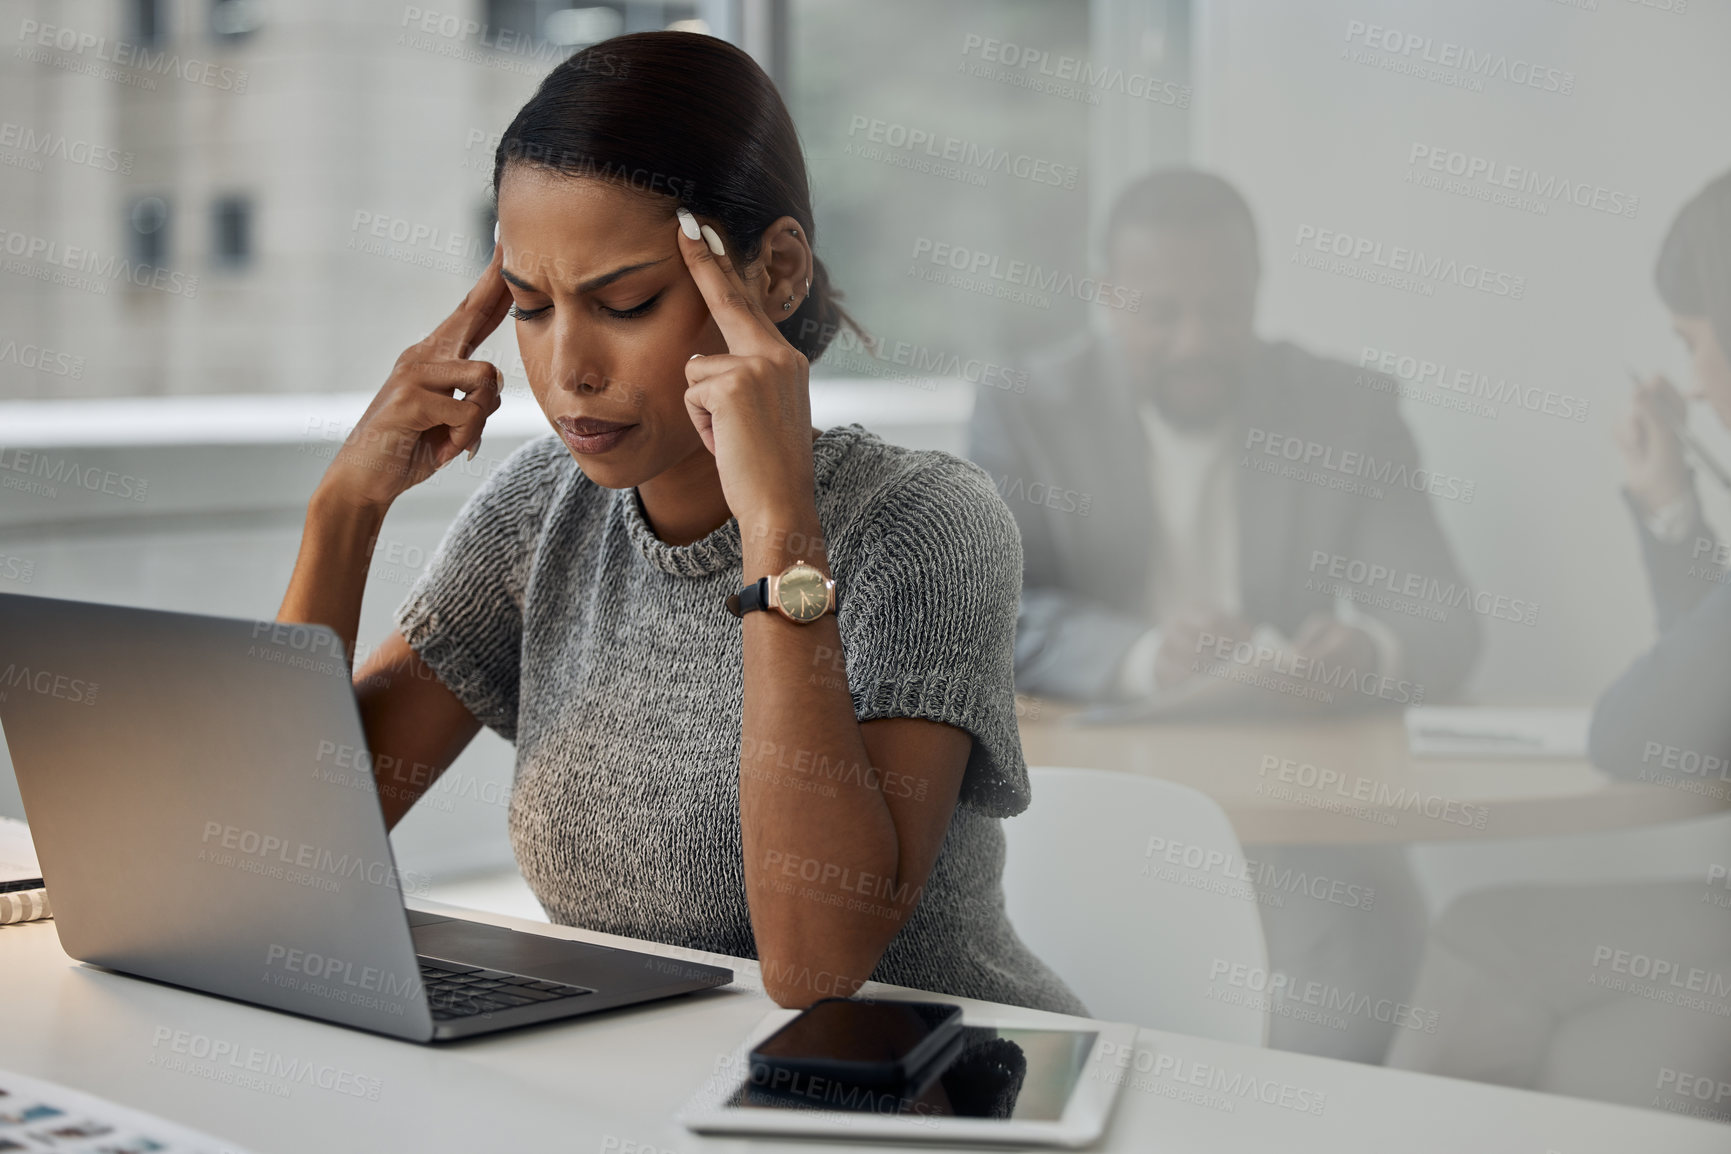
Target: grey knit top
559,618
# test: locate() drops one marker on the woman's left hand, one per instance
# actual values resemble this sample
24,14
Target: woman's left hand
752,404
1652,453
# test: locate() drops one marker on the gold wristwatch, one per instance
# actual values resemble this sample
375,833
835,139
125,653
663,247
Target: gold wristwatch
800,592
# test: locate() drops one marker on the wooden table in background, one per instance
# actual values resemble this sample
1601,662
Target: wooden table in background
1354,781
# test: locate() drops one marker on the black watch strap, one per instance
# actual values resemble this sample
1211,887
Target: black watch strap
753,596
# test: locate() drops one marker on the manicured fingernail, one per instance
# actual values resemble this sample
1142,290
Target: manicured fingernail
495,232
473,449
714,239
688,224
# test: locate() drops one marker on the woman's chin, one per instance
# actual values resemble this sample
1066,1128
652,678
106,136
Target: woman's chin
606,477
606,473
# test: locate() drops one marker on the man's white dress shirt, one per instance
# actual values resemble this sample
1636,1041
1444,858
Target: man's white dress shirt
1195,535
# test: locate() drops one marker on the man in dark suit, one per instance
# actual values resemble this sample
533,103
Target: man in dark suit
1179,482
1183,487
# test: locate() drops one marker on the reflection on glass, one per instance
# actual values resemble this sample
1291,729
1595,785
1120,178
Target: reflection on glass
1025,1075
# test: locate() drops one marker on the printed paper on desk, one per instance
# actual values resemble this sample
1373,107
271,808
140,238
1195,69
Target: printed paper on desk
40,1115
1482,731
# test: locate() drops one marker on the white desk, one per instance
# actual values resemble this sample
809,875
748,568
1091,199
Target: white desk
597,1084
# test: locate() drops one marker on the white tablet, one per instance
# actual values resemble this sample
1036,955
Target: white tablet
1011,1084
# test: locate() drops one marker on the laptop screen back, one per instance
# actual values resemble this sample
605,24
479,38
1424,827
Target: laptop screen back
200,796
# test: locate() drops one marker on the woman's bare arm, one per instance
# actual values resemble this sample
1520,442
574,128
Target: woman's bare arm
831,874
330,573
415,727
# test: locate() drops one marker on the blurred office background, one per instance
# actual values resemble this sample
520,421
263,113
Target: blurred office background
273,199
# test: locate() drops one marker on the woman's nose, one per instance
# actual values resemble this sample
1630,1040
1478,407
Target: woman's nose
578,378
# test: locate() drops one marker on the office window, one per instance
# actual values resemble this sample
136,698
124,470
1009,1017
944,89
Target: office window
579,26
148,22
859,88
554,22
567,25
235,19
514,18
1459,209
147,231
231,227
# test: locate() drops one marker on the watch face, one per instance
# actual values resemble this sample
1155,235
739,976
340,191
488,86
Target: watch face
802,593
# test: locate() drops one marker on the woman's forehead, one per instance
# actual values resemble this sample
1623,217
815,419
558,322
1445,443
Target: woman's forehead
574,228
530,190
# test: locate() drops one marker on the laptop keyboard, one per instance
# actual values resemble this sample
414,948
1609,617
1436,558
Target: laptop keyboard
458,991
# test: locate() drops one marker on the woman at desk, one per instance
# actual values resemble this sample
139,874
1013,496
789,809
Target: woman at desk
712,750
1528,982
1666,719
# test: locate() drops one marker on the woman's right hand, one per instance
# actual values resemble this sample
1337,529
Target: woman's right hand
417,423
1652,452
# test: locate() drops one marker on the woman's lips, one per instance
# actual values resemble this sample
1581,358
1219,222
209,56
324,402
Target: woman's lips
590,435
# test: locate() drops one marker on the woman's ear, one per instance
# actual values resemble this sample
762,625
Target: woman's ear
787,260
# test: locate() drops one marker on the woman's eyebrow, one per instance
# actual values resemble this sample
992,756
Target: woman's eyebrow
590,285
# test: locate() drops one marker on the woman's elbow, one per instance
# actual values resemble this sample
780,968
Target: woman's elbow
1604,733
791,997
1621,725
798,970
793,982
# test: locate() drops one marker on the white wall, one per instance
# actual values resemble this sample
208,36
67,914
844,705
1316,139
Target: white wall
1315,139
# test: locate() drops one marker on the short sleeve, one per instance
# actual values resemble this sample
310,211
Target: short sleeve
928,620
464,614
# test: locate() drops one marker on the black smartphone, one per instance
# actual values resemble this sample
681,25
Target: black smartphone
860,1041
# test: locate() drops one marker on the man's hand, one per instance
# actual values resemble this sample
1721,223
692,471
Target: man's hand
1179,641
1324,637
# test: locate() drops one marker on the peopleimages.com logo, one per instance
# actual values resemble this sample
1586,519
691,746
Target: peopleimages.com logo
977,161
36,146
992,270
98,50
1365,471
1469,384
252,1067
1448,61
46,683
1070,77
1518,186
64,264
1397,265
317,975
1365,581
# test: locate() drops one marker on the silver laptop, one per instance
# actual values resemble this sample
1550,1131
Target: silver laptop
199,795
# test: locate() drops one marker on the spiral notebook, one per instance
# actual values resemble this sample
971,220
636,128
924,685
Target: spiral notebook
22,896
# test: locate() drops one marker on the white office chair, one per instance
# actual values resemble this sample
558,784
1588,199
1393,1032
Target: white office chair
1138,948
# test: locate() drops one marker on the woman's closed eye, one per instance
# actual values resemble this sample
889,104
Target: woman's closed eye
520,313
634,310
